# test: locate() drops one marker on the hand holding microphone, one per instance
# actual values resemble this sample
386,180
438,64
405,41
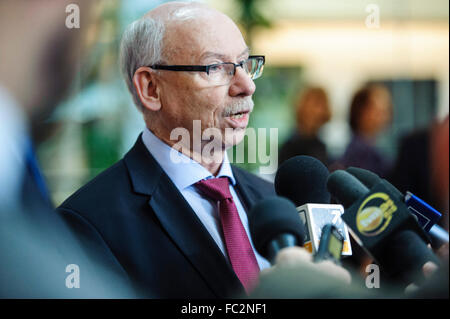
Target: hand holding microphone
300,258
382,225
277,232
426,215
274,224
303,180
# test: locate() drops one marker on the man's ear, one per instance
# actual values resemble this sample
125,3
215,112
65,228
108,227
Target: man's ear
147,89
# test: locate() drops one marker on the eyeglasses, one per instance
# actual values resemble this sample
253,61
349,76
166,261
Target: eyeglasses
221,73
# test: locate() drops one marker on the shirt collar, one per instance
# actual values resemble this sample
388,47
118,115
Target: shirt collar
178,166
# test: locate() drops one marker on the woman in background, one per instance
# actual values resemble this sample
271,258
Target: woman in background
312,111
370,114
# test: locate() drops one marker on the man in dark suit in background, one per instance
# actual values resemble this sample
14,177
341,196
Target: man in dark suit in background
174,212
422,166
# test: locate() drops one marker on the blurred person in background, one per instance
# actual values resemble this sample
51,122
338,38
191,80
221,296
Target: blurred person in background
440,169
422,166
312,111
370,114
40,256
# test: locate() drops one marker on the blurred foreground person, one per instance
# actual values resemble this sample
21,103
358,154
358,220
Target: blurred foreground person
370,114
312,111
296,276
40,256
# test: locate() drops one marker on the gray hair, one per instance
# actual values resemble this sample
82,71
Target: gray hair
142,42
141,45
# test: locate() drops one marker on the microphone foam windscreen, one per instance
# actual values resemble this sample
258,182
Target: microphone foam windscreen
369,179
272,217
303,179
346,187
365,176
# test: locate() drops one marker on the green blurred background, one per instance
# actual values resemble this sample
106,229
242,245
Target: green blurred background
322,42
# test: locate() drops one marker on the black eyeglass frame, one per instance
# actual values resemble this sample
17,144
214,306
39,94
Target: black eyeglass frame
204,68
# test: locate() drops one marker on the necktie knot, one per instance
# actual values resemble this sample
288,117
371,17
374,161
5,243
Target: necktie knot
215,188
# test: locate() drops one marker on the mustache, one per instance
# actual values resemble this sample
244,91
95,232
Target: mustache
240,106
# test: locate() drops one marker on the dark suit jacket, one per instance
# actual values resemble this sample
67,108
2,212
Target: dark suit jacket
412,168
153,232
298,144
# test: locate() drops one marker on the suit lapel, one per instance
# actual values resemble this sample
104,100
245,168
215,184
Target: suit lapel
180,222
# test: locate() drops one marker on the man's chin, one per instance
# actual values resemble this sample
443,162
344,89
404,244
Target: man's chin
233,137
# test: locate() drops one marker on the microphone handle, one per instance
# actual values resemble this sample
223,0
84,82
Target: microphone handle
404,255
438,235
279,242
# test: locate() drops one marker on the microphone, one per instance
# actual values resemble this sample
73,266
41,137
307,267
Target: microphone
303,180
274,224
381,223
427,216
331,245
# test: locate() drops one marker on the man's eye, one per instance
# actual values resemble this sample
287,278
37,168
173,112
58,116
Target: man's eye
215,68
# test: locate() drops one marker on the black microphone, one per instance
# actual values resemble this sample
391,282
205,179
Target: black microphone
275,224
381,223
303,180
426,215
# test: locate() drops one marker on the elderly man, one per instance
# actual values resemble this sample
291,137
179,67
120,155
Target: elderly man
178,224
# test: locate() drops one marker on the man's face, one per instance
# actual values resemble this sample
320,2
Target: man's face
189,96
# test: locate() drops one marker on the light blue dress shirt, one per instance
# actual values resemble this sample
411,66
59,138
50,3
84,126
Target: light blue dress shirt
184,174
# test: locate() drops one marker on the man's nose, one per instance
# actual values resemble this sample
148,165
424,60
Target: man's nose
241,84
